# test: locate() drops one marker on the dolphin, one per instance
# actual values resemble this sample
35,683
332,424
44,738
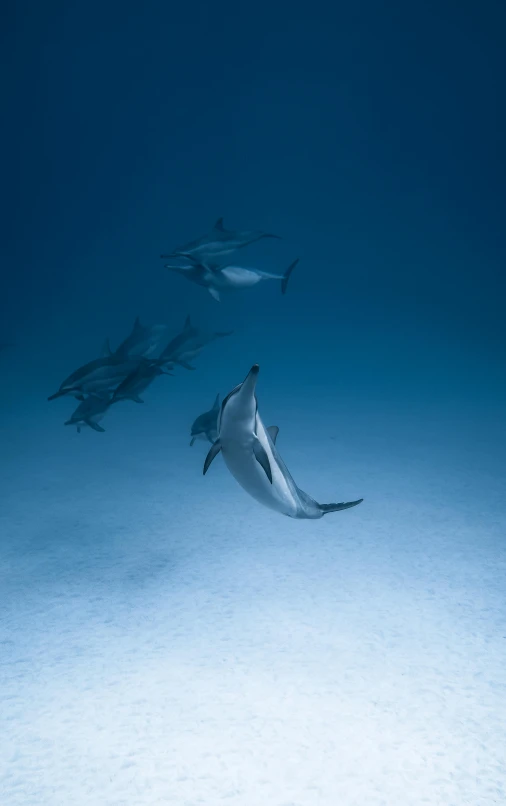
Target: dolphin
143,341
219,241
227,278
101,375
206,426
90,412
188,344
138,381
250,453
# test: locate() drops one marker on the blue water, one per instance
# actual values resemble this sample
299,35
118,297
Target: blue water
164,638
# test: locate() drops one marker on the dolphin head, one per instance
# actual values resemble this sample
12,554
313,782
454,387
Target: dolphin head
240,405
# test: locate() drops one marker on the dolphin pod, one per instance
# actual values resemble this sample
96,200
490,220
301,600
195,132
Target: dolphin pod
235,429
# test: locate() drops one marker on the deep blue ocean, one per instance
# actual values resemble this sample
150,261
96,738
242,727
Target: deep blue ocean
164,638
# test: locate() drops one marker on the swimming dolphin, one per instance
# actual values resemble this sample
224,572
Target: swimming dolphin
227,278
219,241
249,451
143,340
90,412
188,344
101,375
206,426
138,381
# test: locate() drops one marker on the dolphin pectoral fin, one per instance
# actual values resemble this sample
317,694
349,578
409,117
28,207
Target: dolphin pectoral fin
262,458
216,404
273,432
184,364
78,429
80,397
215,294
137,399
95,426
192,441
286,275
213,453
325,508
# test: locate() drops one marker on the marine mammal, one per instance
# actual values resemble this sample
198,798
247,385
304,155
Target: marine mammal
206,425
139,379
228,277
219,241
143,341
249,451
90,412
101,375
188,344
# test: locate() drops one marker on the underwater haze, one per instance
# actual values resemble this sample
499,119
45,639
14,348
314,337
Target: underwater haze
164,637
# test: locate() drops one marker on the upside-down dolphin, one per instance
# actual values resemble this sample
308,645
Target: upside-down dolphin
249,451
219,241
206,425
227,278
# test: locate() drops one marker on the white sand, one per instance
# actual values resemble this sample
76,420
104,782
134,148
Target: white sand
165,640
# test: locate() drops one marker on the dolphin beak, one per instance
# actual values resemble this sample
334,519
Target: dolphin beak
249,383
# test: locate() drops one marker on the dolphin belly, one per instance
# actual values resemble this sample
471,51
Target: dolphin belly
240,459
235,277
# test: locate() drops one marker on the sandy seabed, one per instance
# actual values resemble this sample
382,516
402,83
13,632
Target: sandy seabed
166,640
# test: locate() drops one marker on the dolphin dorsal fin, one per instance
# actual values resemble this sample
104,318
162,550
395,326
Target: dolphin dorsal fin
137,323
106,349
187,324
219,225
273,432
216,404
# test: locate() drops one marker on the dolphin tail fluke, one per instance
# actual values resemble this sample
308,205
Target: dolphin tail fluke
286,276
326,508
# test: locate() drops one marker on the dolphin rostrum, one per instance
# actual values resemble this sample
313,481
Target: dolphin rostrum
90,412
249,451
206,426
219,241
227,278
98,376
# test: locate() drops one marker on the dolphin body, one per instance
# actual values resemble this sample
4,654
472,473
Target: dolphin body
90,412
143,341
138,381
219,241
249,451
188,344
98,376
206,425
227,278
